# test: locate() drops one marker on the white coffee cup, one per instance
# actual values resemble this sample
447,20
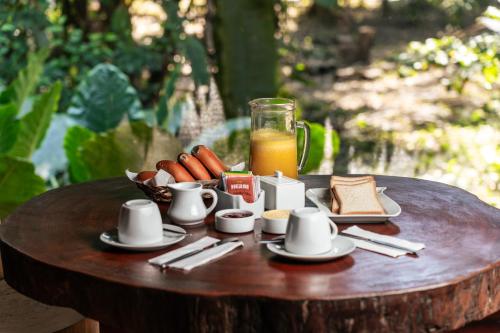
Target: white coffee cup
309,231
140,223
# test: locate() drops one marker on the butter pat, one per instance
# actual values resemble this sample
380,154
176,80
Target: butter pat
282,192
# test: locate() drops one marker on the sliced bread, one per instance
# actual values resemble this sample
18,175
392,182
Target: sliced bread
358,199
338,180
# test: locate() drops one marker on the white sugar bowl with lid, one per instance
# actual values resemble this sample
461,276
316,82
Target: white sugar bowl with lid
282,192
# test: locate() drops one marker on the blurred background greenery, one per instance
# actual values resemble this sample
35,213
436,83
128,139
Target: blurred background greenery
89,88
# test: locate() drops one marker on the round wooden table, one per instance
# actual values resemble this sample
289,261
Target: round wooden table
51,252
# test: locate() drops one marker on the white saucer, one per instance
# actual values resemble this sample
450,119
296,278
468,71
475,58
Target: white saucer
341,246
169,238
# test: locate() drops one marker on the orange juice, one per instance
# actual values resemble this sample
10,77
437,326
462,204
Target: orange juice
272,150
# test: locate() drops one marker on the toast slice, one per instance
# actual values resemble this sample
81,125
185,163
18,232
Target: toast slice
336,180
358,199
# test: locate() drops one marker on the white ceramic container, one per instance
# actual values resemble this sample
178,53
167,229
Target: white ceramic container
282,192
234,225
309,231
274,225
140,223
187,207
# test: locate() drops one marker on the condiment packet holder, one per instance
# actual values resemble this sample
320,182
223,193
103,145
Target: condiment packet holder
230,201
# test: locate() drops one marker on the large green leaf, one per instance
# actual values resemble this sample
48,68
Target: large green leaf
9,127
27,80
33,125
103,98
18,182
110,154
195,52
75,138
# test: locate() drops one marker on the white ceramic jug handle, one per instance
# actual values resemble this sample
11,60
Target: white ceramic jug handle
214,197
335,230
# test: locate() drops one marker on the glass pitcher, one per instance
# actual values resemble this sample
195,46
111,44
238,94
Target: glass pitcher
273,141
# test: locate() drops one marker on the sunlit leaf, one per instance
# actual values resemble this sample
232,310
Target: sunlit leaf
27,80
34,125
18,182
75,138
9,127
110,154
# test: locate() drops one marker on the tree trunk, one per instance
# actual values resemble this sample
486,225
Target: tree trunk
245,52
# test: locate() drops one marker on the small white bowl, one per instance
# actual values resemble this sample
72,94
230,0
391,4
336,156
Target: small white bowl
234,225
273,224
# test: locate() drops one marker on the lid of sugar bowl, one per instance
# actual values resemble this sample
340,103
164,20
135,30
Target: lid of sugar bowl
278,179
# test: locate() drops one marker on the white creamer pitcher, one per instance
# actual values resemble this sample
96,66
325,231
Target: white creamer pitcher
187,207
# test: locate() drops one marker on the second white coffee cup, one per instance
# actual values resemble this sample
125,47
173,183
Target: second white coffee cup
309,231
140,223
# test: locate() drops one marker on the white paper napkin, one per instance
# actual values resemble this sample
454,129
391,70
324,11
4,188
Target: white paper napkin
357,231
199,244
205,256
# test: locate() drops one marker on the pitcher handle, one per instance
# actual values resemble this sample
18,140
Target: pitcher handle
214,197
335,230
307,141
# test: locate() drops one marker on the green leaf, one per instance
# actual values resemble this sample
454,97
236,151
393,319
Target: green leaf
103,98
316,149
143,133
110,154
18,182
75,138
34,125
27,80
195,52
9,127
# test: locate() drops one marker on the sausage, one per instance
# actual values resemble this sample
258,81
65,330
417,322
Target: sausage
209,160
145,175
179,173
194,166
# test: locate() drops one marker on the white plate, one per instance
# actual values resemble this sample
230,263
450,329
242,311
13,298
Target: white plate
341,246
169,238
321,198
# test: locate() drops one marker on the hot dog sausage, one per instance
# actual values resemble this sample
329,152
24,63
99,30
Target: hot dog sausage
176,170
209,160
145,175
194,166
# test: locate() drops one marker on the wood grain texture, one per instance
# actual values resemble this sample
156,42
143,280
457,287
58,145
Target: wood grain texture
51,252
20,314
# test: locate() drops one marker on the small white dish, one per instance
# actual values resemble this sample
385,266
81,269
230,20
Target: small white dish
169,238
272,223
321,198
234,225
341,246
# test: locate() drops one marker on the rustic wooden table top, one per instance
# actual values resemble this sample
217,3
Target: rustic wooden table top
51,252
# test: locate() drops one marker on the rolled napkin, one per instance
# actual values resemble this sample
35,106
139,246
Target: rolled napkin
367,245
197,259
205,256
